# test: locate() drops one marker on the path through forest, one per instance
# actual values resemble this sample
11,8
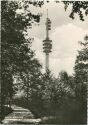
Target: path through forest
20,115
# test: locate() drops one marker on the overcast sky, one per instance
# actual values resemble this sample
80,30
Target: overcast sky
65,34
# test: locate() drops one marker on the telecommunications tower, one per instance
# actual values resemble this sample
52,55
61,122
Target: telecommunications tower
47,43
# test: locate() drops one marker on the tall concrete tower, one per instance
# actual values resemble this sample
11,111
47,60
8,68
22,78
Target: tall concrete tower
47,43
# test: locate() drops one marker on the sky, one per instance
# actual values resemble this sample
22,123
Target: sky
65,34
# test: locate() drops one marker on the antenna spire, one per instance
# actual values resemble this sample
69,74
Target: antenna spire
47,13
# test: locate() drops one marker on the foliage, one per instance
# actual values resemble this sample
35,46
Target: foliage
77,7
17,56
81,78
81,67
55,100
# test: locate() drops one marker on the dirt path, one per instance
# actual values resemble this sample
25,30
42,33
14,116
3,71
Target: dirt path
20,115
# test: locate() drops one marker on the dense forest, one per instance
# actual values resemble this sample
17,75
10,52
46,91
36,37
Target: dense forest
65,97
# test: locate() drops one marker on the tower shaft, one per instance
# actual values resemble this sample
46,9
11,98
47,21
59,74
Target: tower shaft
47,61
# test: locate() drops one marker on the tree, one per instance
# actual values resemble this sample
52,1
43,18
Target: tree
49,93
29,82
81,64
15,48
67,83
31,79
81,78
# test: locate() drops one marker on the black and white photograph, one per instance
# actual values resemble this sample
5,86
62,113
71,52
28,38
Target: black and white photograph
44,62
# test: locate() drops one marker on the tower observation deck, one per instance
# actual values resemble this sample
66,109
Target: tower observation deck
47,43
